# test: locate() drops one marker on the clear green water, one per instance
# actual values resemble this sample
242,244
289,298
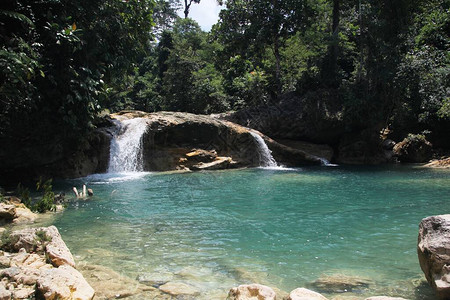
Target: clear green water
283,228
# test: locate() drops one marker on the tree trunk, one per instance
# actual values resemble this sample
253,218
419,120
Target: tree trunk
335,43
276,52
186,8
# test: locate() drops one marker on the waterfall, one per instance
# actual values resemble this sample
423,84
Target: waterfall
265,155
126,153
325,162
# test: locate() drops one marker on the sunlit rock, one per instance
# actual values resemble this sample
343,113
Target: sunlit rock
434,253
304,294
252,292
64,283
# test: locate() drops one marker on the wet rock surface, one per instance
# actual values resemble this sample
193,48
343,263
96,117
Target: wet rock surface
175,141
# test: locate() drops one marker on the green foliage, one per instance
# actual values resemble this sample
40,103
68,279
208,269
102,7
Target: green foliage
47,202
42,237
24,195
60,59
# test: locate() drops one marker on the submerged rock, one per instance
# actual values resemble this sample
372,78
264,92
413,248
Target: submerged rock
252,292
433,249
154,279
109,284
179,288
304,294
340,283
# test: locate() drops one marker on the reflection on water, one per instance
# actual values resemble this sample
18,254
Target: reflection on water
282,228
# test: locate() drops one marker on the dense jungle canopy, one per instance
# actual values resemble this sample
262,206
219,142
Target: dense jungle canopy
384,64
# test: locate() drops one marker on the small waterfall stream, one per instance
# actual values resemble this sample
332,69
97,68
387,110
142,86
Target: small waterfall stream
265,155
126,146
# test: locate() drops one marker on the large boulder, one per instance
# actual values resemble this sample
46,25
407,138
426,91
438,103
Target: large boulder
12,210
28,274
433,249
252,292
64,283
180,140
414,149
45,239
7,212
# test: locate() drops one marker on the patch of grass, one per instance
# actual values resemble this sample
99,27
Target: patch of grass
7,240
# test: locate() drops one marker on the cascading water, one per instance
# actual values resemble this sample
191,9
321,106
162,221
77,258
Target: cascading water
265,155
126,146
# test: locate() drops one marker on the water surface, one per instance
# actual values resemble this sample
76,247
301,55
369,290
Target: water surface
283,228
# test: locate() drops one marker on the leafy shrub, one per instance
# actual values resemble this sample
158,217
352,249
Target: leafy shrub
47,202
24,194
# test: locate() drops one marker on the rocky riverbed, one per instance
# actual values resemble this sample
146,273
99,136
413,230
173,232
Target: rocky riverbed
36,263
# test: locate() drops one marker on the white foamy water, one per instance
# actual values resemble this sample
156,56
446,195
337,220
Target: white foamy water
126,153
265,155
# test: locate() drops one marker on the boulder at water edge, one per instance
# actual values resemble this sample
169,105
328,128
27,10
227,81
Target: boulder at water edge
434,253
305,294
252,292
26,272
46,237
64,283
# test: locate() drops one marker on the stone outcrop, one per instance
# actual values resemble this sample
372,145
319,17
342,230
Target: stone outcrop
304,294
27,274
48,238
187,141
252,292
433,249
13,211
413,149
443,163
63,283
